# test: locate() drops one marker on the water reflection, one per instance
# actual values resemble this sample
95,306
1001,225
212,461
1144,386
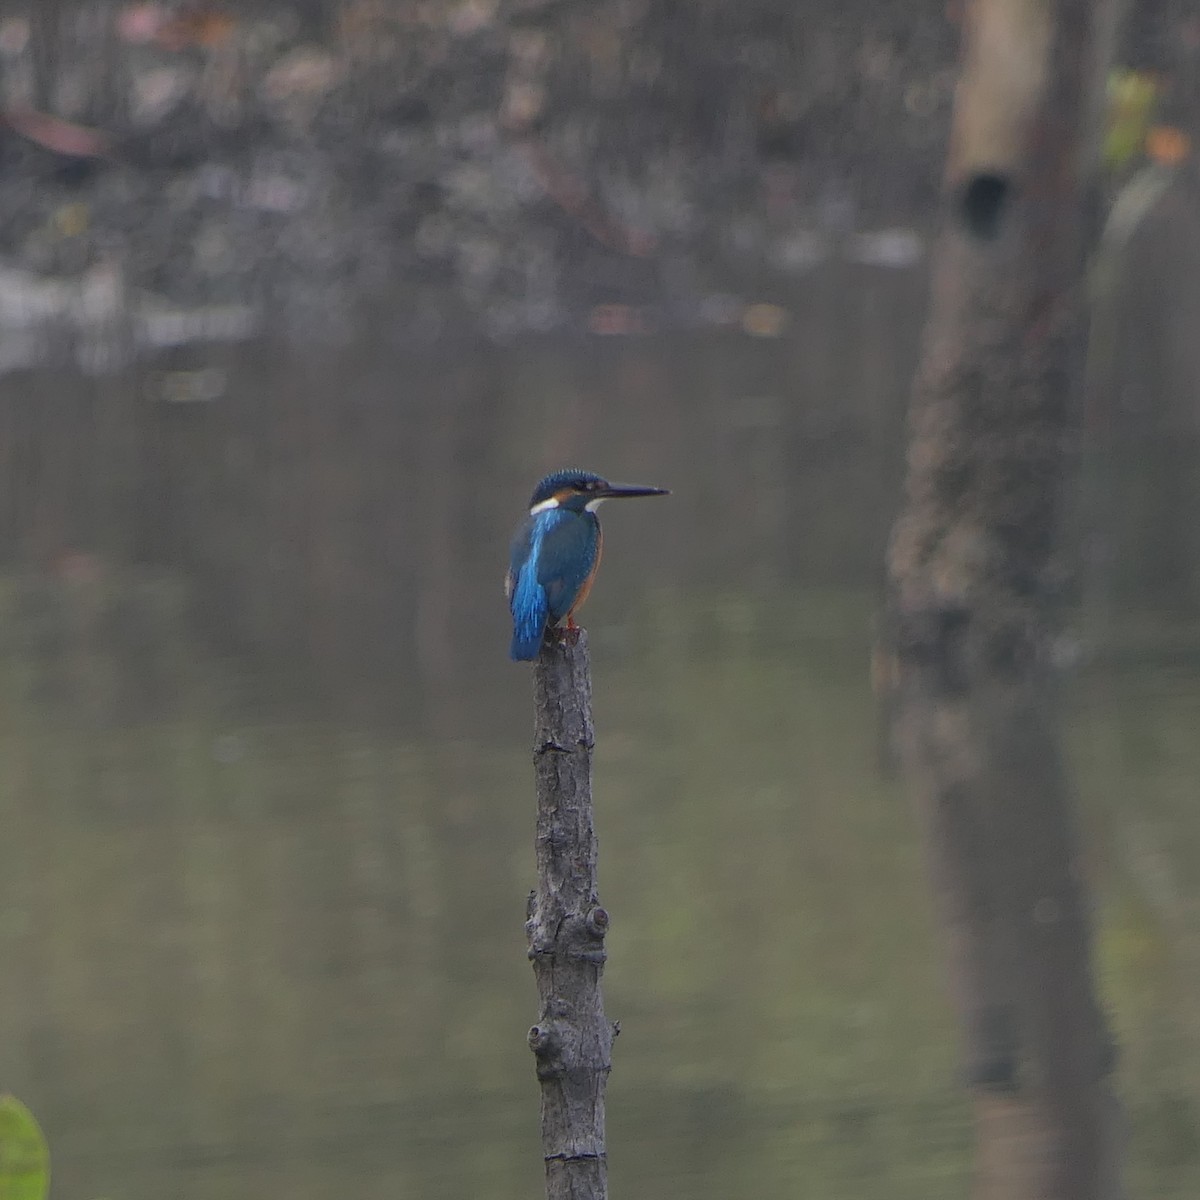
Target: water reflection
267,800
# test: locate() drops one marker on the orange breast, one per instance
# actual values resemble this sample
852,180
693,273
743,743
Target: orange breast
587,583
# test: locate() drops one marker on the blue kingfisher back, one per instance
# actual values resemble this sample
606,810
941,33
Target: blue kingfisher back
556,552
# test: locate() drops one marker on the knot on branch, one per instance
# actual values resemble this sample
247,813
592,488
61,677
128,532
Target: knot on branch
596,922
566,935
548,1041
581,936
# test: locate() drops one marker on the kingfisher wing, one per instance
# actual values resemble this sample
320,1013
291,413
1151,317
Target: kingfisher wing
566,558
526,597
520,555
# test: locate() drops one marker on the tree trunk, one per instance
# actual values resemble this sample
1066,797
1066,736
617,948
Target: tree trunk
972,580
572,1039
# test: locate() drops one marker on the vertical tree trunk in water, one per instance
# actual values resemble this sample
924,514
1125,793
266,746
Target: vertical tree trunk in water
971,578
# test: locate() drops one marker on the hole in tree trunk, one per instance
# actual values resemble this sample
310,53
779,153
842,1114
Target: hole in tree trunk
983,203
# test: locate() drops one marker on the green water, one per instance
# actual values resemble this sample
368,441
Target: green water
266,809
250,954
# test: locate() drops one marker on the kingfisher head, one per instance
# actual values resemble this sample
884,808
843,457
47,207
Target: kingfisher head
582,491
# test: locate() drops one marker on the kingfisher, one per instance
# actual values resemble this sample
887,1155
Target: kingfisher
556,552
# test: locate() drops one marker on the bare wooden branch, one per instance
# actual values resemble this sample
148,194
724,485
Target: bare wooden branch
972,573
572,1040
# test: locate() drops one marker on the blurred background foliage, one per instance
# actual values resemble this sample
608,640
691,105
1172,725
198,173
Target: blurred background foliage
296,303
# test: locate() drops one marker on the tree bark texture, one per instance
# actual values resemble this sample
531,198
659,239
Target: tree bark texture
971,583
572,1040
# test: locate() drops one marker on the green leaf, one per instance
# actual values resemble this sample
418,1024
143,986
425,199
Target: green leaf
24,1155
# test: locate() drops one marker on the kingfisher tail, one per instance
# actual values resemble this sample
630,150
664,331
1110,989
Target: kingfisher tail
530,610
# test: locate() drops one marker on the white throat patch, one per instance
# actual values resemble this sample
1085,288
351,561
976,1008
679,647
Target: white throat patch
592,505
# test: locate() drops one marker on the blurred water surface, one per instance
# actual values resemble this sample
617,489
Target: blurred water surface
267,800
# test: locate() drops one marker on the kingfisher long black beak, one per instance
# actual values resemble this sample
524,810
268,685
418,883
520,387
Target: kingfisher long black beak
615,491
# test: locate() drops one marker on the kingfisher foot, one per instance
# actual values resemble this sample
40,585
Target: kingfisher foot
567,634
